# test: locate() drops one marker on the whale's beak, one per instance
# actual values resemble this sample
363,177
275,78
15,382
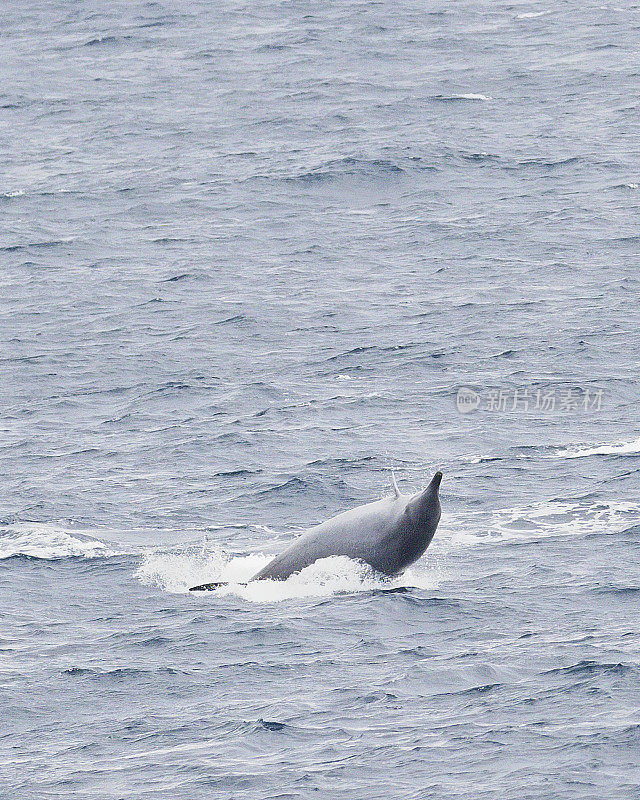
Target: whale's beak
435,482
425,507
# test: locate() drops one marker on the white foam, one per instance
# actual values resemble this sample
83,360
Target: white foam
541,520
177,571
471,96
532,14
328,576
618,448
478,459
43,540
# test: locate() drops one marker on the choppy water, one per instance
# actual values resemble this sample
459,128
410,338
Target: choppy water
249,254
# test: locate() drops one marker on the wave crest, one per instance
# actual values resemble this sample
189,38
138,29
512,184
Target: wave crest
617,448
48,542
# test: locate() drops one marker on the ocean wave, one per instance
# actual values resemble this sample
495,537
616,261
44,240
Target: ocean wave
13,248
452,98
625,186
118,673
549,518
618,448
479,459
49,542
350,168
106,39
532,14
591,667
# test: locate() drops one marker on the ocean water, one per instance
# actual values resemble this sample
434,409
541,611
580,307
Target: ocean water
251,253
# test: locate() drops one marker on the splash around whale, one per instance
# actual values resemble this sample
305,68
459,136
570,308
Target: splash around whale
388,535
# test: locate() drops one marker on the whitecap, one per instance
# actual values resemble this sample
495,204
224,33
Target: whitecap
547,518
465,96
616,448
532,14
471,96
46,541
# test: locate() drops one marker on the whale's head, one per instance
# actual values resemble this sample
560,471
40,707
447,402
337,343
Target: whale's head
424,510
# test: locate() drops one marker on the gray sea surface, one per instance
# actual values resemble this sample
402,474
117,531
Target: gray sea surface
252,256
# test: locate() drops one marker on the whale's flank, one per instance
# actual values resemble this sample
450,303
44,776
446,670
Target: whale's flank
388,534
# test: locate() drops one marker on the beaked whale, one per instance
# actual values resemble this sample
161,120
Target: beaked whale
389,535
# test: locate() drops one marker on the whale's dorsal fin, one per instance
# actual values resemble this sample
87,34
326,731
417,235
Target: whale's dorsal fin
395,485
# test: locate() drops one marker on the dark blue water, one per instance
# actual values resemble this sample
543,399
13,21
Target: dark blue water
250,253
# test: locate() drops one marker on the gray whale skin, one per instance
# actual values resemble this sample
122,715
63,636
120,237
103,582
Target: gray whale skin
389,535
